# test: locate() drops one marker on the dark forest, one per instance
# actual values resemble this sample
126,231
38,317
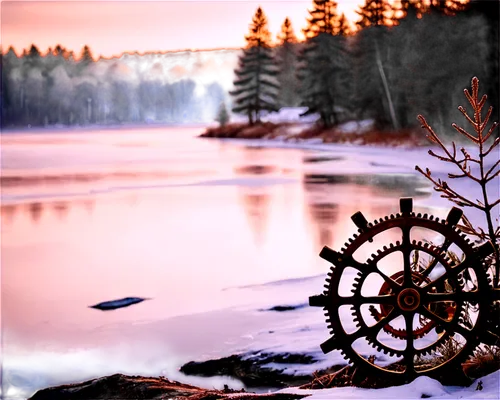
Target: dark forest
402,59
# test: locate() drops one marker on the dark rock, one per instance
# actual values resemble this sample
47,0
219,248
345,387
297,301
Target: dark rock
136,387
114,304
286,308
251,369
318,159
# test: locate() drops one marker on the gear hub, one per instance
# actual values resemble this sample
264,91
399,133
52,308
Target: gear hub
414,312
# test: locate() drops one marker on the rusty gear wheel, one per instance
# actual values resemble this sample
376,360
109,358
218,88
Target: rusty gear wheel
431,303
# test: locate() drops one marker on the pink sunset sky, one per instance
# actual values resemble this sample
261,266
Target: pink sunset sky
112,27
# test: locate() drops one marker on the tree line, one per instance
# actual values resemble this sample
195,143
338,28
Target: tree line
404,58
58,88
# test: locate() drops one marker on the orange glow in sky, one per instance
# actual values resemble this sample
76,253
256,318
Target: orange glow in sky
113,27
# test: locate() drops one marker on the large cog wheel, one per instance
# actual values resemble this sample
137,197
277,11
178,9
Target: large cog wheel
415,295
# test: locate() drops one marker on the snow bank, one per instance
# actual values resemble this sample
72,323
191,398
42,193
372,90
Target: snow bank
422,387
290,114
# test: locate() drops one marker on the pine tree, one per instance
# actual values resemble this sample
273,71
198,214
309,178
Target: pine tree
324,64
255,88
222,115
323,18
85,60
287,60
287,35
344,28
446,7
374,13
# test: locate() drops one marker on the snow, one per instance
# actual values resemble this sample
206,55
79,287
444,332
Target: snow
356,126
420,388
290,114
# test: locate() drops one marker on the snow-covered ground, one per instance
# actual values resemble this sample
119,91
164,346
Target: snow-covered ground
422,387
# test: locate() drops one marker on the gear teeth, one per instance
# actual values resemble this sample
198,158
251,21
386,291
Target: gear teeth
398,243
426,216
431,218
318,301
393,216
426,245
437,219
330,345
359,220
406,205
454,216
391,245
330,255
419,215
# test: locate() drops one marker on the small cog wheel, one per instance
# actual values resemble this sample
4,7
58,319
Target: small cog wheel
414,311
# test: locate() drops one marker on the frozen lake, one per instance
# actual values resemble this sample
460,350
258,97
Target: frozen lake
95,215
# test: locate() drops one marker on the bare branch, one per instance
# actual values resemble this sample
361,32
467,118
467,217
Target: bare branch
453,176
481,102
490,131
492,168
465,133
469,97
448,193
495,144
486,119
495,203
464,112
440,157
497,173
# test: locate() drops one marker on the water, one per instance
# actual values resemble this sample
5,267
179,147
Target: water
91,216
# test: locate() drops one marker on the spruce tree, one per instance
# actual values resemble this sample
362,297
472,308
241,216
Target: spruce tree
222,115
374,13
86,59
324,62
287,60
255,86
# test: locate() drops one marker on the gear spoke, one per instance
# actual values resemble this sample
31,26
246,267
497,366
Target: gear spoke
450,326
391,282
452,296
373,330
389,299
407,281
444,247
410,347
